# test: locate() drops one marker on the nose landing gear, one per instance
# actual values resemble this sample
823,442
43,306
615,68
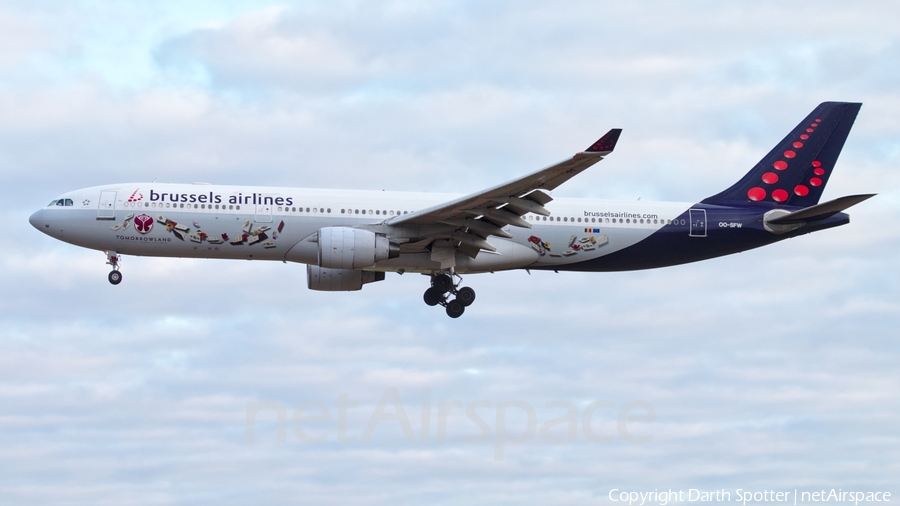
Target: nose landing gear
443,284
112,258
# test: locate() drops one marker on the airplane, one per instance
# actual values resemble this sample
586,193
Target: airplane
349,238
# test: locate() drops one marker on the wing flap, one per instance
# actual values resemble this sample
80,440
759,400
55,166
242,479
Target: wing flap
539,197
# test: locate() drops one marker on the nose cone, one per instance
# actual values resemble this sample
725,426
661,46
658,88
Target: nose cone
37,220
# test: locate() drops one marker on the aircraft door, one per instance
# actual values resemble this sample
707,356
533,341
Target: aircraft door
263,213
698,222
107,208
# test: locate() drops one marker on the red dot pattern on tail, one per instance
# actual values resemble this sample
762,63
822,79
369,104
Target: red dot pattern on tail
779,195
757,193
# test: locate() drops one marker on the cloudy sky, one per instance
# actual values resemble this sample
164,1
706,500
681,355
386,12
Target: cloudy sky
775,369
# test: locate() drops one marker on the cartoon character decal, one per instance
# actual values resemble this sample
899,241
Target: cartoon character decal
586,243
249,235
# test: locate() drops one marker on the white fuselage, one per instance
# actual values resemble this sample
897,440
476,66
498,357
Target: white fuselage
266,223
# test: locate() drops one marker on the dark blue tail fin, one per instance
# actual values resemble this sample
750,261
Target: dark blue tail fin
795,172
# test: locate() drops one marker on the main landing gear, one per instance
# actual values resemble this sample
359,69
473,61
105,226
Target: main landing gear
112,258
442,284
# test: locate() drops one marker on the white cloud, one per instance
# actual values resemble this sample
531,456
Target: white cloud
772,368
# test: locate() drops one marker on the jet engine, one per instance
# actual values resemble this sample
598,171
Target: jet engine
353,248
338,280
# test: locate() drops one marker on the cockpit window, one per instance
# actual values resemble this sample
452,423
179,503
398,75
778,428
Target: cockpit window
52,203
61,202
69,202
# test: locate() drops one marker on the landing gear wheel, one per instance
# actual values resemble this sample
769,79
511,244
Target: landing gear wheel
455,308
433,296
442,283
112,259
466,295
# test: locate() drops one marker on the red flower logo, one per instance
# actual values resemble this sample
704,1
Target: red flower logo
143,223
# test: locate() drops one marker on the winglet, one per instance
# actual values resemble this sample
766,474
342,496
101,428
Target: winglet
606,143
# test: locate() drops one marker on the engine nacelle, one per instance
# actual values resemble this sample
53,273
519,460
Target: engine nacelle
339,280
353,248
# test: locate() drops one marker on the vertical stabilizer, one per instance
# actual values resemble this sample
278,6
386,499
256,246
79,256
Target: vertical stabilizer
795,172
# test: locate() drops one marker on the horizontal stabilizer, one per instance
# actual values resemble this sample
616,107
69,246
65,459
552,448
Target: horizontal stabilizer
820,211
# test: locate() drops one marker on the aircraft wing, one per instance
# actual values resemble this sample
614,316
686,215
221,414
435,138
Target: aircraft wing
485,213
